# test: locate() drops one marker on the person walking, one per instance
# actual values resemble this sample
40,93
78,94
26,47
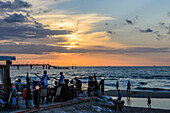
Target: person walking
149,102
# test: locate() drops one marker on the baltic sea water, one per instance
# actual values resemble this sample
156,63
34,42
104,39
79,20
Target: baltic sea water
147,78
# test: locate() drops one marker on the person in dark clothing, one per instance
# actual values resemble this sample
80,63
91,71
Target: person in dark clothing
128,86
55,87
149,102
78,84
5,96
53,91
117,84
119,94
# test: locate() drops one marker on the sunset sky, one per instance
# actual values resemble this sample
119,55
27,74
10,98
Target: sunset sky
86,32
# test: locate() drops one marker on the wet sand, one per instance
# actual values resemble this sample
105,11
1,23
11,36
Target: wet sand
139,94
87,107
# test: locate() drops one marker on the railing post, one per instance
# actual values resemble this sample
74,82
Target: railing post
102,85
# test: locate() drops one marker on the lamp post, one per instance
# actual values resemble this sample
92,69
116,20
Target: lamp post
36,96
102,85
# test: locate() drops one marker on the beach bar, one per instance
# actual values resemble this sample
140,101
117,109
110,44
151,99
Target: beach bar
5,79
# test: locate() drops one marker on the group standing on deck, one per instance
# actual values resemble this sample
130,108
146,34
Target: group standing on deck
62,91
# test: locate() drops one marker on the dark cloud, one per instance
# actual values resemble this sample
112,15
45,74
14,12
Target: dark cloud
146,31
41,49
129,22
29,49
15,5
16,18
20,26
28,32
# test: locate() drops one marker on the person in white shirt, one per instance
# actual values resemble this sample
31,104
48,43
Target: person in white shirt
61,80
45,78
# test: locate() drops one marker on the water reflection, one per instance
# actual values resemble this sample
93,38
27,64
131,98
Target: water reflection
142,102
128,101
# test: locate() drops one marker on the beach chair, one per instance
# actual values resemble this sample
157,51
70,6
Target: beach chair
43,94
58,92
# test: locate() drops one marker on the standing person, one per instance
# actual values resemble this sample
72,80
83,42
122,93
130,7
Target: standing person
42,87
61,80
117,84
45,78
53,91
149,102
128,86
119,94
19,86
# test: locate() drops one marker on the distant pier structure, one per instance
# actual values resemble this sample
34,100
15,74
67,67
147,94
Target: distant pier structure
74,66
44,66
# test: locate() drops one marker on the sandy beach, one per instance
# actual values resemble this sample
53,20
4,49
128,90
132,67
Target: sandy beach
90,107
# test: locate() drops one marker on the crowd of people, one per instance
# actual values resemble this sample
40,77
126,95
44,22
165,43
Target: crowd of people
27,92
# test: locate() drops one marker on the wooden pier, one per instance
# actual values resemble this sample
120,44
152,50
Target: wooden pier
45,66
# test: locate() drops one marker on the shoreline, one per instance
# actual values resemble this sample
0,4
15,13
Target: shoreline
90,106
139,94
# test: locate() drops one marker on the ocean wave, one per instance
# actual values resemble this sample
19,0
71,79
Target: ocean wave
153,89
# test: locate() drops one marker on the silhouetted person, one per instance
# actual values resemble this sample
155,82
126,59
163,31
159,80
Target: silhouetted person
149,102
91,83
61,80
45,78
71,82
78,86
117,84
66,81
119,94
53,91
128,86
5,96
55,87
